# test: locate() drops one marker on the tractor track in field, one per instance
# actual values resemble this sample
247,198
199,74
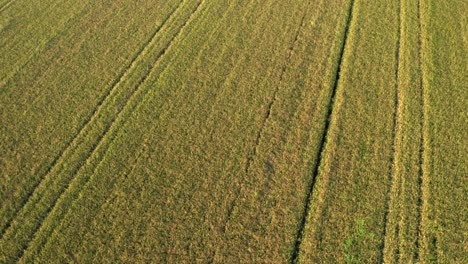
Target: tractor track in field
142,80
234,202
64,151
265,119
139,155
318,161
267,115
395,133
229,77
6,5
421,245
88,123
116,83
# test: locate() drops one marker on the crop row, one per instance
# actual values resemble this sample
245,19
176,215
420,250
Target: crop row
346,219
172,167
232,131
57,177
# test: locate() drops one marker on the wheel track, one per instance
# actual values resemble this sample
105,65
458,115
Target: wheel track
267,115
323,141
264,121
238,191
229,77
62,153
101,104
137,94
124,108
6,5
139,154
228,80
393,187
423,245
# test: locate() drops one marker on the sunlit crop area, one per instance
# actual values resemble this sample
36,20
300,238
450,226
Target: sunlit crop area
213,131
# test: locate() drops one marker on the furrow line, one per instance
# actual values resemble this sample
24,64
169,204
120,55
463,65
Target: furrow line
230,211
229,77
101,104
130,105
27,258
24,200
42,173
423,246
139,154
396,135
95,145
227,81
251,157
6,5
323,141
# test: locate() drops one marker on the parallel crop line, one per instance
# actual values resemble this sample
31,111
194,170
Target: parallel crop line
396,135
238,190
4,6
68,24
139,154
125,108
128,172
319,159
267,116
251,157
111,126
102,102
64,151
229,77
227,80
422,245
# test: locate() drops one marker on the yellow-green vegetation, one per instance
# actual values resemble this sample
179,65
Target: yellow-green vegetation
443,227
350,193
197,131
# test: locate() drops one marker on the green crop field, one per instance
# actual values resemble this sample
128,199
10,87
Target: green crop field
216,131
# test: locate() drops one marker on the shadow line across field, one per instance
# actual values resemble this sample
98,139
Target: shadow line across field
323,141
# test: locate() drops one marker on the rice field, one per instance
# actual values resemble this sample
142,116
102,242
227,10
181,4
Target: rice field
230,131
